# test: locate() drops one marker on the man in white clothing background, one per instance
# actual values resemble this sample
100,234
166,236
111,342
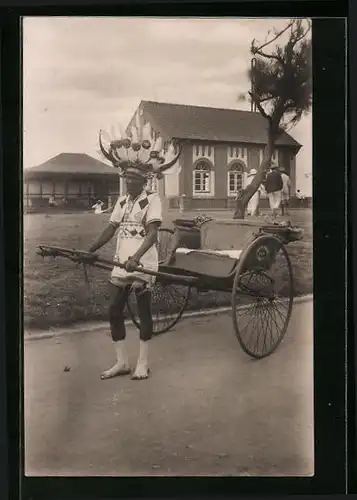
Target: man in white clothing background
285,192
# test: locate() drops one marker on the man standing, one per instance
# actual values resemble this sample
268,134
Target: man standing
285,194
137,217
273,187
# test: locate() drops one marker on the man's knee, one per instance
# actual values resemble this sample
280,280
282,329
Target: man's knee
143,297
117,302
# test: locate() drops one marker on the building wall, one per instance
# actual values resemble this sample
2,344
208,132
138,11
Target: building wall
292,169
254,157
79,192
186,172
221,159
221,169
219,197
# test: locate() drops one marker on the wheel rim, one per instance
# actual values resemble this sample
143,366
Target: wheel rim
262,299
168,303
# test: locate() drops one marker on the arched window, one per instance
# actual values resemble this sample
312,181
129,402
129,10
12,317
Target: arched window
202,178
235,179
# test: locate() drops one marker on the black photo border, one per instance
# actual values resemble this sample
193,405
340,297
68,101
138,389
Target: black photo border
329,157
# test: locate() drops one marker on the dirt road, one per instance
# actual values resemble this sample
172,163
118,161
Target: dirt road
207,408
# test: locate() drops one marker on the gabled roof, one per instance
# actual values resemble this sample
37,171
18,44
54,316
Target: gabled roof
211,124
72,163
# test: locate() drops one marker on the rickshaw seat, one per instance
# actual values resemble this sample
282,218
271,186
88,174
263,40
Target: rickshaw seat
207,263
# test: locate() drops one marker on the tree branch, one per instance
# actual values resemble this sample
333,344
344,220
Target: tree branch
266,99
296,39
303,35
273,39
269,56
258,102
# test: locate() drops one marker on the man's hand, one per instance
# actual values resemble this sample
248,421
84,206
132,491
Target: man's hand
130,265
92,257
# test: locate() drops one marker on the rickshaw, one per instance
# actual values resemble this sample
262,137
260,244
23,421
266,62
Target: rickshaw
257,276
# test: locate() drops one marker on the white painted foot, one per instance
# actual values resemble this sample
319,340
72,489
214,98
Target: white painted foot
141,372
117,370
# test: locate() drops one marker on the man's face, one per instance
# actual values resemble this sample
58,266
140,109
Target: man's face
134,184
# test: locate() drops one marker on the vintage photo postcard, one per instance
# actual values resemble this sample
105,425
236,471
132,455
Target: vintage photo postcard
168,247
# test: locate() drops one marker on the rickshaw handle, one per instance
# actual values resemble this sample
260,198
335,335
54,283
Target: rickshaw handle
99,262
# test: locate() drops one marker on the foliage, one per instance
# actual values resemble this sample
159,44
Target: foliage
281,89
282,79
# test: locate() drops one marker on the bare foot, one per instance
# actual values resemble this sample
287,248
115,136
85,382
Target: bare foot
117,370
141,372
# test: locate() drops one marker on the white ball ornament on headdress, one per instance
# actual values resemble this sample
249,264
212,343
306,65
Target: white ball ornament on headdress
139,150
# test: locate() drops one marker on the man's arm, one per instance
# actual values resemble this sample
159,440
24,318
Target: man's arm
103,239
149,240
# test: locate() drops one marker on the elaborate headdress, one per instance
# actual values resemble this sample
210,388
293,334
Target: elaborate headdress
139,152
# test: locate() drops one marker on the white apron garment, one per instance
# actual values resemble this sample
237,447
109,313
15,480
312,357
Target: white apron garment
254,201
285,193
98,208
132,218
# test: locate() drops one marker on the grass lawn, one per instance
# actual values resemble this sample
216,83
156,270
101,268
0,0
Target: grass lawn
56,294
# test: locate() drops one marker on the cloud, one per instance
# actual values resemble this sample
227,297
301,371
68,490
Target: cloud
81,74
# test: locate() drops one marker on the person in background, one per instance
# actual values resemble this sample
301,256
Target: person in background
51,201
253,203
273,187
182,203
98,207
285,194
300,197
261,192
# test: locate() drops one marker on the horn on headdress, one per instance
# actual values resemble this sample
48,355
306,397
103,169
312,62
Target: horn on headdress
139,148
106,154
171,161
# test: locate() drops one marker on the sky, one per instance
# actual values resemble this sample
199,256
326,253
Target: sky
83,74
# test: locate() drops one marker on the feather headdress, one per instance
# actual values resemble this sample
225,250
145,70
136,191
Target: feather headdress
138,152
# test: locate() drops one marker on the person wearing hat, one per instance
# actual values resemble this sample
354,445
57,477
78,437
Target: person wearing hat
136,217
253,203
285,193
273,187
98,207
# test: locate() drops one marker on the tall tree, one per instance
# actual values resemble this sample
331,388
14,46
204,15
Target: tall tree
281,90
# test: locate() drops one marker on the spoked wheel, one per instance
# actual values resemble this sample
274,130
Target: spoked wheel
165,243
169,300
262,296
168,303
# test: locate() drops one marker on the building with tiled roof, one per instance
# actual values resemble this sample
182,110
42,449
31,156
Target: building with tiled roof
219,147
76,178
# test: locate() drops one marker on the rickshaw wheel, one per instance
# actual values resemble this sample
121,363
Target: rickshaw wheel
168,303
262,296
165,243
169,300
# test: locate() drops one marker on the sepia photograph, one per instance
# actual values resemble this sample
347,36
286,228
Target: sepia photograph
168,247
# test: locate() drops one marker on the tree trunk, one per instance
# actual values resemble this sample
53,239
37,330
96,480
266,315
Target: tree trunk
249,191
253,187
